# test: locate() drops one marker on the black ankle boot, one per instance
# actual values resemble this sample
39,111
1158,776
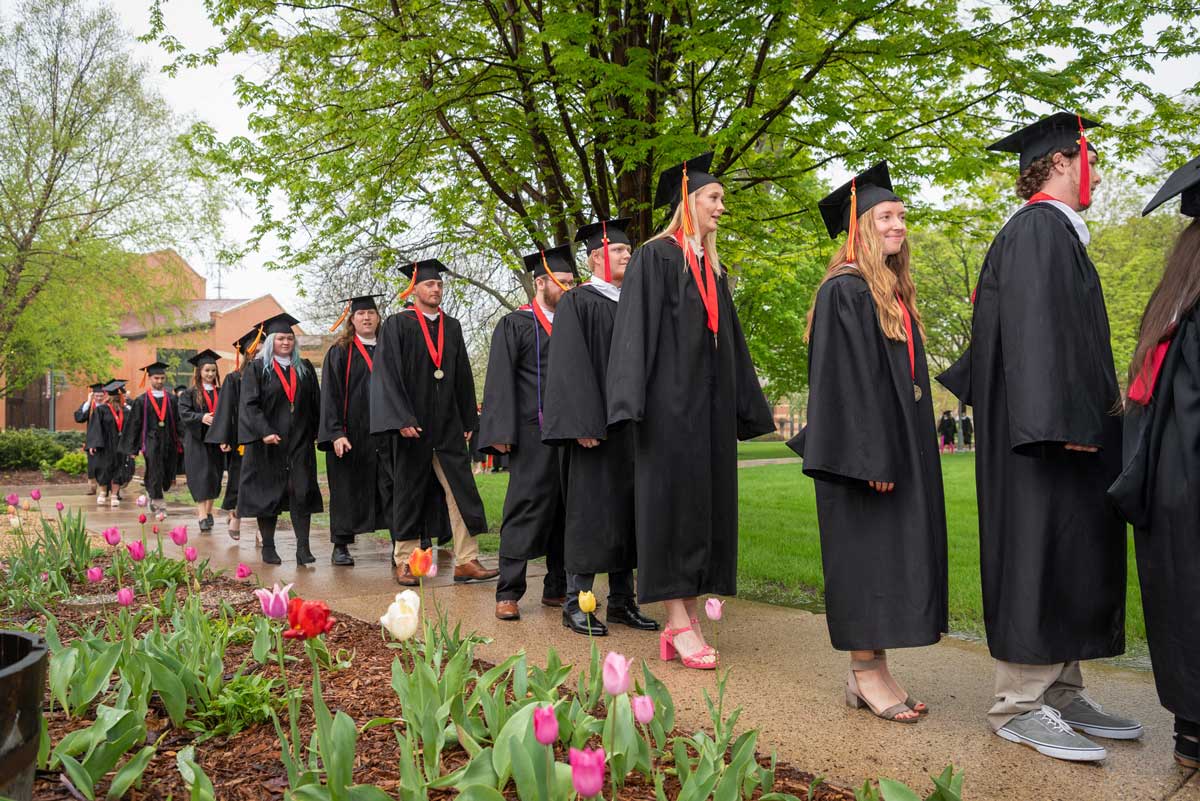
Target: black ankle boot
269,555
341,556
303,554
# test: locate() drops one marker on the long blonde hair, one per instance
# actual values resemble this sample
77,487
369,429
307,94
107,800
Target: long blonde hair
886,276
708,241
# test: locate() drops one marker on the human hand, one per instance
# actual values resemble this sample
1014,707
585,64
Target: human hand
501,448
207,419
225,448
412,432
882,486
341,446
272,439
1071,446
588,442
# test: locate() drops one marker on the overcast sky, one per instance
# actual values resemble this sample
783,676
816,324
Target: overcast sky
207,93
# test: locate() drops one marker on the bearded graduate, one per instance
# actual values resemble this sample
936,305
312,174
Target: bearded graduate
1039,373
359,496
596,465
511,423
1154,493
224,429
871,448
152,429
680,374
280,409
204,463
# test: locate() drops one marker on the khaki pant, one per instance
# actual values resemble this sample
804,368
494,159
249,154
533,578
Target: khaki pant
466,548
1021,688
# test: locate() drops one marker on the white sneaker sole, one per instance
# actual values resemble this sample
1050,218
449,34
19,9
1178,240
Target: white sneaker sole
1106,733
1057,752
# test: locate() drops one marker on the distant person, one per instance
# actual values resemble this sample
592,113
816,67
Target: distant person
968,433
204,462
947,428
1155,492
152,428
869,446
224,429
97,397
103,443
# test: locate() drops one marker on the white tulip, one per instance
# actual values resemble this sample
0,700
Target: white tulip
403,617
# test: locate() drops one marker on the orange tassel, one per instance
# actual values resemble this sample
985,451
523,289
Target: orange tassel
250,351
1085,168
412,284
553,278
688,228
345,311
237,360
853,219
607,268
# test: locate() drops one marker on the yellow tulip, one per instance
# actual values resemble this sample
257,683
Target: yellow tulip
587,602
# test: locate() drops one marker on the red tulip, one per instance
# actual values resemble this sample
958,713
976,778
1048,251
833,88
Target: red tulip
420,561
307,619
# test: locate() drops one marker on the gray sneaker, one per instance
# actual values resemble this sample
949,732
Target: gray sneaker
1086,715
1044,731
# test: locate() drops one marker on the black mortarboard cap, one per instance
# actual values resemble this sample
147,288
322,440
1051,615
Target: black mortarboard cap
115,386
1051,134
426,270
592,234
872,187
247,339
558,259
97,386
670,181
362,302
204,357
156,368
1184,182
279,324
180,388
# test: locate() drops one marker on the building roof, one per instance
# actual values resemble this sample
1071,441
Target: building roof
192,315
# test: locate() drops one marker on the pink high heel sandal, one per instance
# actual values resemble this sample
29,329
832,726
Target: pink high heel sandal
667,651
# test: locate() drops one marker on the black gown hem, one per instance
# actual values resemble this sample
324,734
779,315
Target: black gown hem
886,644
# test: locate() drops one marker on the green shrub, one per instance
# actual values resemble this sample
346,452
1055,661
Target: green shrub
73,463
71,440
26,449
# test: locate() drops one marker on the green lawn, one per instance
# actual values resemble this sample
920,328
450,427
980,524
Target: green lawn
765,450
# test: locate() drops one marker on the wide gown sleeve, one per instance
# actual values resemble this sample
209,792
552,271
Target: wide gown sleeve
131,433
500,422
635,337
391,409
333,398
573,405
253,424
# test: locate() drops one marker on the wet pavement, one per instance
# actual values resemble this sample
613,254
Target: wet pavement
785,677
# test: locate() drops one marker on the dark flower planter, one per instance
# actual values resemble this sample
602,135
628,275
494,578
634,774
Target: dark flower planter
23,660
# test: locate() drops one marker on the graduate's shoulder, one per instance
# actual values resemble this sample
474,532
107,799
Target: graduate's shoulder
848,285
1038,220
661,250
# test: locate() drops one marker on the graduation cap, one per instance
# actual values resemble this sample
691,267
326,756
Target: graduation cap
247,344
355,304
204,357
1059,131
419,271
1184,182
683,179
97,387
601,235
279,324
114,387
154,368
842,207
546,263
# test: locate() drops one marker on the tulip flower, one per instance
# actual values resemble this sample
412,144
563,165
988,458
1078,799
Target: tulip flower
587,771
141,501
274,601
403,616
36,495
25,505
45,576
190,553
308,619
616,673
179,535
95,574
161,516
112,536
432,570
419,561
243,571
142,518
154,529
714,608
137,551
643,709
587,602
12,510
545,724
125,596
12,499
58,506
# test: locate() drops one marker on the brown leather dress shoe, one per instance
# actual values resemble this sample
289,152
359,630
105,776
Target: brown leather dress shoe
474,571
507,610
404,576
555,602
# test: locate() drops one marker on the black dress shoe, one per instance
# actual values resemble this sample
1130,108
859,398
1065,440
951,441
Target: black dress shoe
630,615
341,556
578,621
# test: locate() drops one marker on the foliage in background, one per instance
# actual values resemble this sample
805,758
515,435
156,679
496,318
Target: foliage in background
27,448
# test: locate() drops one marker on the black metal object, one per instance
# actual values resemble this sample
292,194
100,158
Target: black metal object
23,659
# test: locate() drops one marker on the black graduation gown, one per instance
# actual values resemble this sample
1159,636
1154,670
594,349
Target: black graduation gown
159,441
84,415
224,431
597,482
1155,493
283,477
690,403
518,368
204,464
357,503
104,435
404,393
883,554
1039,374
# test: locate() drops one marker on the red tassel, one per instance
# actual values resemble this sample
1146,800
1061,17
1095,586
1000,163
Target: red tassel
607,268
853,237
1085,168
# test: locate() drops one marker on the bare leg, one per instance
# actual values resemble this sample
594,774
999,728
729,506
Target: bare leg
873,686
689,642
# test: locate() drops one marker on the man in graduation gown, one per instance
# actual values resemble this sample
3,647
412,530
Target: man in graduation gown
96,399
358,498
152,429
423,398
1039,374
597,468
224,429
511,424
103,443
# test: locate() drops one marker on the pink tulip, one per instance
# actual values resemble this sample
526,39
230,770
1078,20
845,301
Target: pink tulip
125,596
587,771
190,553
142,518
616,673
643,709
45,576
112,536
161,516
714,608
12,498
95,574
432,570
545,724
243,571
137,551
274,601
154,529
179,535
141,500
36,495
58,506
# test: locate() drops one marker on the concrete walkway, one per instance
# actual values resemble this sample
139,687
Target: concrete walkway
785,676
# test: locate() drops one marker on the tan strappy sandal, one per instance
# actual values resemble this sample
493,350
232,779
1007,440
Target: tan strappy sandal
920,707
855,699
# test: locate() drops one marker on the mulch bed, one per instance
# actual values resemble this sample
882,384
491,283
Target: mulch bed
247,766
34,478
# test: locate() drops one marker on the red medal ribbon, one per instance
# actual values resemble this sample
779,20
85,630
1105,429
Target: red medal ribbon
211,403
908,329
162,413
366,356
547,326
434,355
118,414
289,389
706,284
1141,391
